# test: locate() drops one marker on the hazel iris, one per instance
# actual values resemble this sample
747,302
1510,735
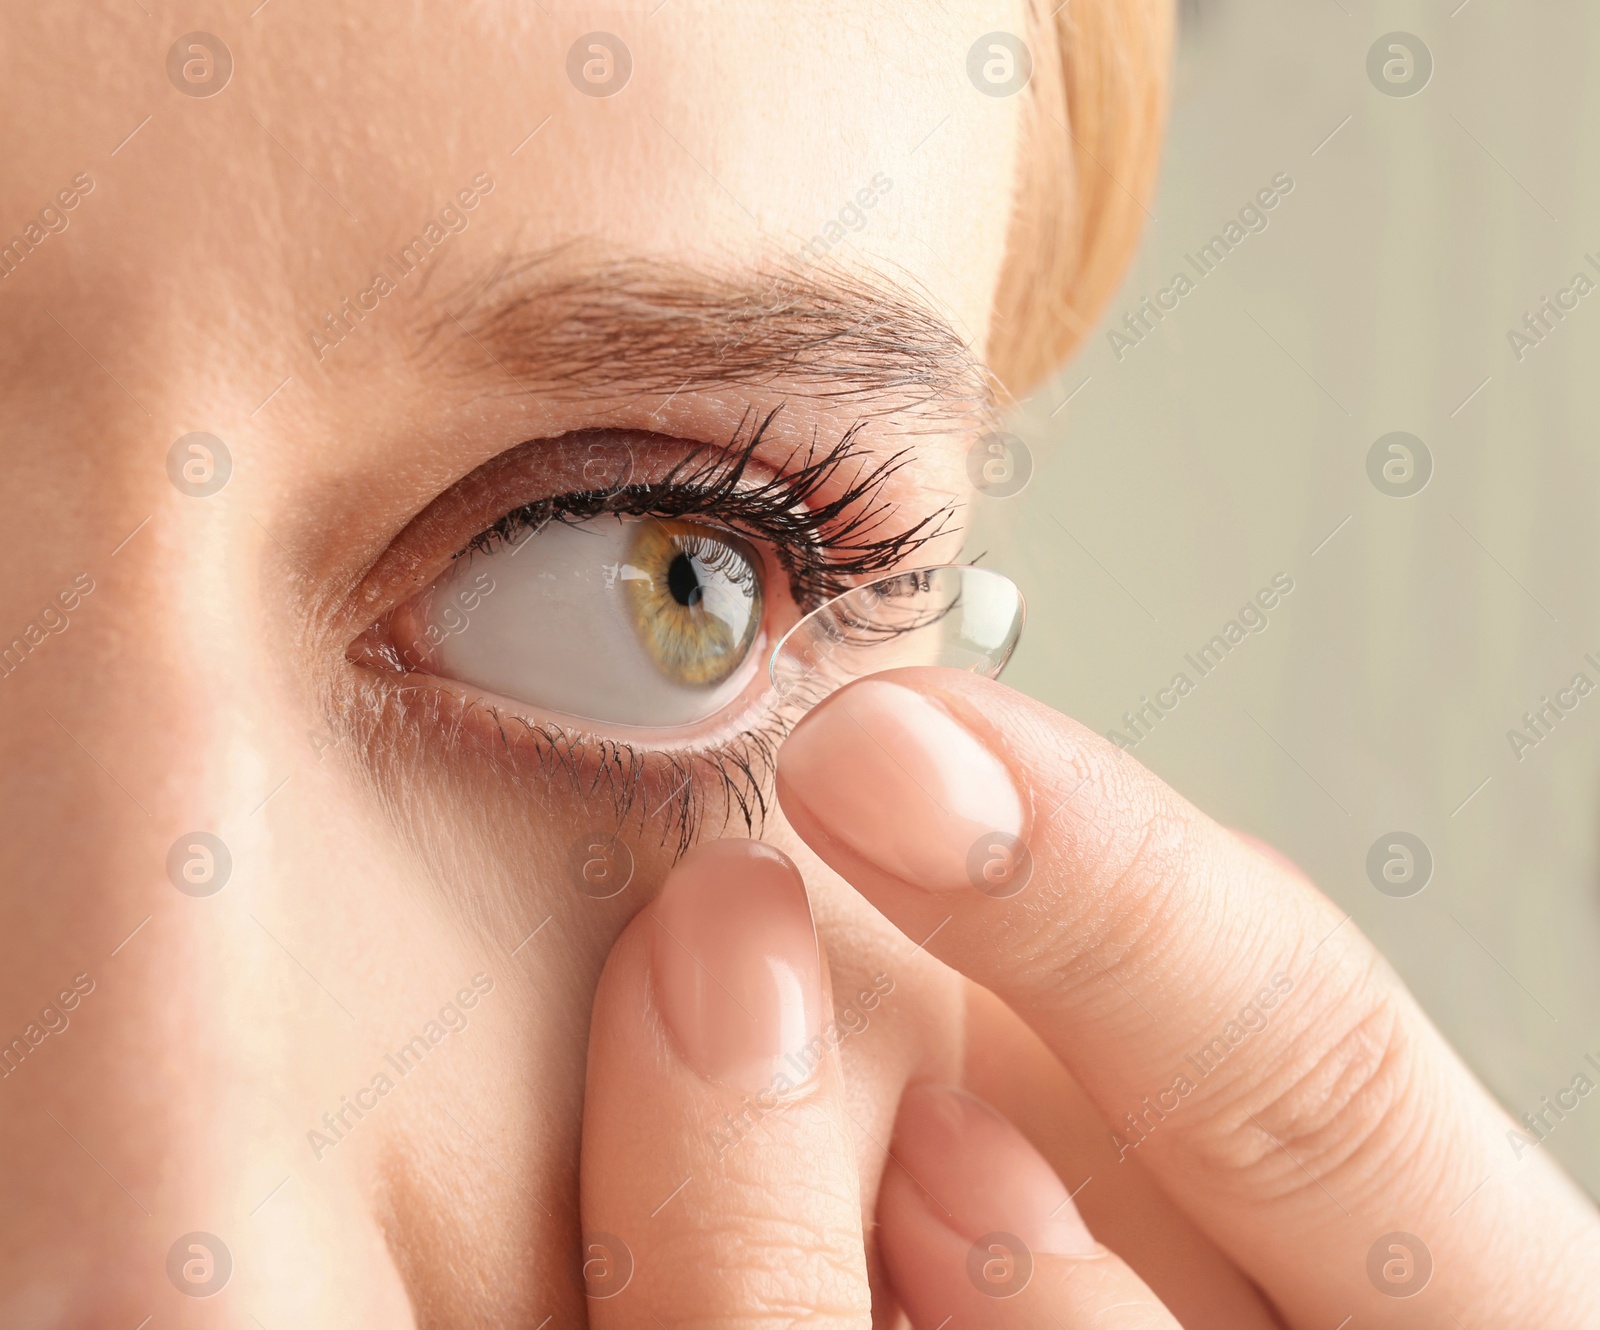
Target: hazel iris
694,595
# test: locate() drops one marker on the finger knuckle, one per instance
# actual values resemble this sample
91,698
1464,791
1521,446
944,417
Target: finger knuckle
1331,1104
771,1289
771,1270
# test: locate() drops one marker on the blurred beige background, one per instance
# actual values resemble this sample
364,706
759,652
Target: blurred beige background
1231,445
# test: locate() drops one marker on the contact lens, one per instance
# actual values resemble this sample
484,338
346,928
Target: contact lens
954,615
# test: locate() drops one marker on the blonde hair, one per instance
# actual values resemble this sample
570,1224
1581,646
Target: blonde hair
1091,141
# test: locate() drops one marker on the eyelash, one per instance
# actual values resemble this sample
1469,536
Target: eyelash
823,544
823,547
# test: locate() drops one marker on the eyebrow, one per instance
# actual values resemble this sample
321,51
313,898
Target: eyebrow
568,327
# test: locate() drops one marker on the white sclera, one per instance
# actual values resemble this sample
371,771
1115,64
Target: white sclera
547,621
954,615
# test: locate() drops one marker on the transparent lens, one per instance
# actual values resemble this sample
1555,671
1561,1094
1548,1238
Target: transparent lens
963,617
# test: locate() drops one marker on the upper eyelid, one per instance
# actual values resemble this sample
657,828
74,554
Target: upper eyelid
839,543
425,546
485,497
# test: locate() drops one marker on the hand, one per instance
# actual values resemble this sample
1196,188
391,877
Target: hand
719,1180
1233,1027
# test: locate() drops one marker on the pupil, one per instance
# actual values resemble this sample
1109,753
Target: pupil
684,582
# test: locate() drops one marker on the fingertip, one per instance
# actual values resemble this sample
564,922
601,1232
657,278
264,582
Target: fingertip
735,963
899,778
977,1173
967,1210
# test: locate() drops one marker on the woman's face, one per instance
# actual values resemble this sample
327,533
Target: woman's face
305,857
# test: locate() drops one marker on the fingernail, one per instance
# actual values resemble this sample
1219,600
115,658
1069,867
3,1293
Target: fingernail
981,1177
896,778
734,958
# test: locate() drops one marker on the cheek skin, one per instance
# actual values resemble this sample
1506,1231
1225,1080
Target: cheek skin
900,1014
370,883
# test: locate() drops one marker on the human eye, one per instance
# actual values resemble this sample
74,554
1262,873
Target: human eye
613,596
624,619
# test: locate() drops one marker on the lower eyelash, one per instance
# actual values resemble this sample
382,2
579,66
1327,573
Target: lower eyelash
616,770
676,790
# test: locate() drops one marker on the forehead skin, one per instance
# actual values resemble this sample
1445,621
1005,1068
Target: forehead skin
231,223
189,284
182,296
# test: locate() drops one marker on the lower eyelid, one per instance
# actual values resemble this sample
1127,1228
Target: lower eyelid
673,794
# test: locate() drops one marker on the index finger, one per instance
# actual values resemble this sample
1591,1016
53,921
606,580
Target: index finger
1231,1024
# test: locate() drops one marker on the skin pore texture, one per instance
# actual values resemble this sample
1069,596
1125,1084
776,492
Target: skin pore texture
301,961
356,1052
379,866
